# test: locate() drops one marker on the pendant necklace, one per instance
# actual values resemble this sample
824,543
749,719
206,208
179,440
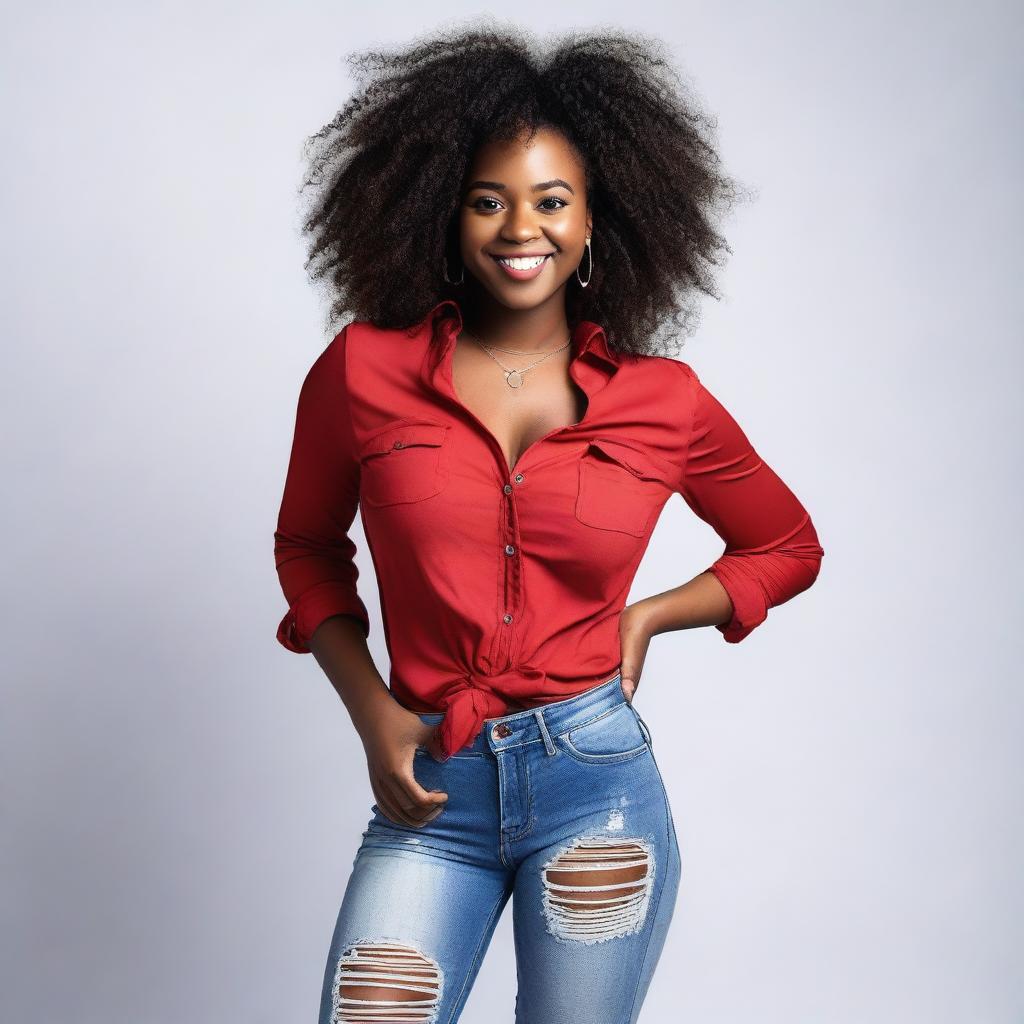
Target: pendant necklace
514,377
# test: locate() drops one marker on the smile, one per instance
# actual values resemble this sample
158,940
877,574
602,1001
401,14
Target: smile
522,268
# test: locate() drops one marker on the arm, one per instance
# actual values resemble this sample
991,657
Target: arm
312,549
314,556
771,547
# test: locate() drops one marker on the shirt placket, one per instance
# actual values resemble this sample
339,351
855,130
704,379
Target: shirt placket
510,577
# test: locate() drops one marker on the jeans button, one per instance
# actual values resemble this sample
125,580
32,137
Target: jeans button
501,730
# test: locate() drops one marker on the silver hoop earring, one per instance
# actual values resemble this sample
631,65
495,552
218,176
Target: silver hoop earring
444,271
590,271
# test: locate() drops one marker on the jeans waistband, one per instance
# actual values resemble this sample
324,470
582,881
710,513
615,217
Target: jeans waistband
559,716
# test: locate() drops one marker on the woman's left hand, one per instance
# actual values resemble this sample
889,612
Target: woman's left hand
634,639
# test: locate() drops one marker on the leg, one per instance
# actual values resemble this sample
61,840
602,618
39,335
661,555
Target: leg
375,980
591,916
592,910
410,936
598,888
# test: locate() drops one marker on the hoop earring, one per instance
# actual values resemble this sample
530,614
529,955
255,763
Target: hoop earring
444,271
590,272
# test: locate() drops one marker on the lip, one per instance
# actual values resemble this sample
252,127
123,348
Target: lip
521,275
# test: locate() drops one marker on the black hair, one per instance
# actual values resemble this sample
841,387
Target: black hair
386,174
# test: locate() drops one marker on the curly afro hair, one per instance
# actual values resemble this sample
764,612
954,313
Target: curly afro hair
387,172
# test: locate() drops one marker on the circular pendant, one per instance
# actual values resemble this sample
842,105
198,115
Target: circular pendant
514,379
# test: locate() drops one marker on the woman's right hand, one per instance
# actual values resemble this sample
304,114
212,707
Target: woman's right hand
390,740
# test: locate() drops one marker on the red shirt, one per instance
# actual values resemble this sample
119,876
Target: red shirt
504,585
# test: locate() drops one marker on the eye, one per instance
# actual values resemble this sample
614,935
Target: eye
479,204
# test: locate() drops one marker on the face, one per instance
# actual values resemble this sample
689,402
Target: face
524,201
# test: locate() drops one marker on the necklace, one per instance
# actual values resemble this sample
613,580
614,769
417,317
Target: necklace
514,377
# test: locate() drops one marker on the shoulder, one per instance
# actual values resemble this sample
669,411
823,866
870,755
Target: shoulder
683,373
361,346
671,378
361,343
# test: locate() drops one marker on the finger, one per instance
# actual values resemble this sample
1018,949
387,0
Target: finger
395,801
434,814
420,816
406,797
427,813
418,801
386,807
630,673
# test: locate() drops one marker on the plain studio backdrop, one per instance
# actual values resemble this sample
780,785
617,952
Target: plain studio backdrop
182,797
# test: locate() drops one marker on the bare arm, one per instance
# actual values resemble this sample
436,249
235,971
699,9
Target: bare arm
389,733
701,602
315,563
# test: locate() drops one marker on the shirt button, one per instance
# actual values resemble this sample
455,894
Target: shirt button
518,478
510,549
507,488
399,444
506,618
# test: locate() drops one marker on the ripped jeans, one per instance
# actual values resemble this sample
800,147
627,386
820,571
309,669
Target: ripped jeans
561,807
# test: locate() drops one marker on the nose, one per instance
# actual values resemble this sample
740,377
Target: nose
520,225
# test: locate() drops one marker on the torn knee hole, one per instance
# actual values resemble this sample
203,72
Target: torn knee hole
385,982
598,889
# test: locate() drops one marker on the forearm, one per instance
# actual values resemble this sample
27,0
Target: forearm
340,649
701,602
390,734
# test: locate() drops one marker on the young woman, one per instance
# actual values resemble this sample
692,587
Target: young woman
508,232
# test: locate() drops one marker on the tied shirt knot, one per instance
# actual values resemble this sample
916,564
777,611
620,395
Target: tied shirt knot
473,697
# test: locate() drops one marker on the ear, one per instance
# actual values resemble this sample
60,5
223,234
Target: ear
590,222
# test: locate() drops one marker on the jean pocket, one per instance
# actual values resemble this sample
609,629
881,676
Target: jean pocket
610,738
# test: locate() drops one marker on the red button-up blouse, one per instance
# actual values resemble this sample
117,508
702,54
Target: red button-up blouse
503,583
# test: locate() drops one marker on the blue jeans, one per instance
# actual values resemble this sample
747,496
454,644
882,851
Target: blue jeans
561,807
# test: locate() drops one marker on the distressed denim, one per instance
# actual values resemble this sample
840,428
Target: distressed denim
540,808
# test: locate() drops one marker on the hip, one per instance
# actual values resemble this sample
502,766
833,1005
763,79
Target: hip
575,769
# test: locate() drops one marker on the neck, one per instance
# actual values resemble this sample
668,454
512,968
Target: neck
539,328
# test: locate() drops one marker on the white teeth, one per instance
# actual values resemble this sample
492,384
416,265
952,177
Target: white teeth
522,262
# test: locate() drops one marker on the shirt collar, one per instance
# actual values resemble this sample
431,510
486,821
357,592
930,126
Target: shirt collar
586,336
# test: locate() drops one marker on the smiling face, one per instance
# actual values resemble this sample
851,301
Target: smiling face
526,202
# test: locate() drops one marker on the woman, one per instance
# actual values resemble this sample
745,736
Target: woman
512,230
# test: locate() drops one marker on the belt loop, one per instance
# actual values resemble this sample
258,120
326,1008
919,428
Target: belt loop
538,713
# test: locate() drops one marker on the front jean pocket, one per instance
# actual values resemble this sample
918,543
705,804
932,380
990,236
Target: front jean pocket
610,738
620,487
407,460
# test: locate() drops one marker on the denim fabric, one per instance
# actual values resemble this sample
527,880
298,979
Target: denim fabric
544,803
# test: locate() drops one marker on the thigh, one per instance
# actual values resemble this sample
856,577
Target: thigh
592,907
410,936
420,906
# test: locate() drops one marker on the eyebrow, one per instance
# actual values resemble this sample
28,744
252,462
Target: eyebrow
539,187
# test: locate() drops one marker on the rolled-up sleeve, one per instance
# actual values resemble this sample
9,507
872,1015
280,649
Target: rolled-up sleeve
313,552
771,545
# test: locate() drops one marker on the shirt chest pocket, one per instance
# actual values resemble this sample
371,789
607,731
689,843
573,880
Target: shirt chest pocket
620,488
407,460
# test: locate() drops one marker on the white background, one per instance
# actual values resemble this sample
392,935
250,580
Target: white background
182,797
